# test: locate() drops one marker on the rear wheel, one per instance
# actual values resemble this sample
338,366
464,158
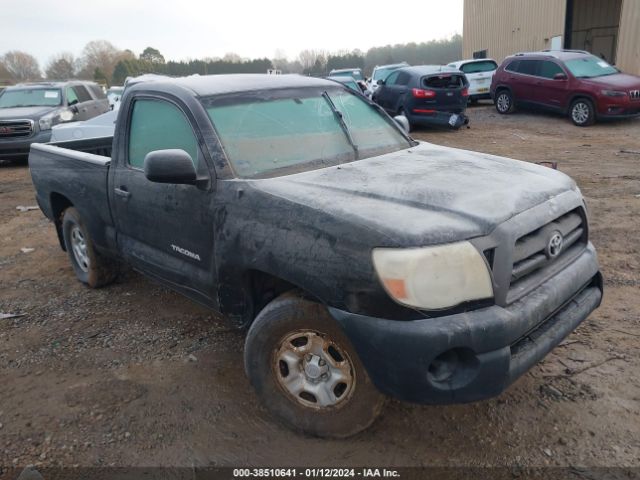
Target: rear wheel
90,267
582,112
504,102
306,372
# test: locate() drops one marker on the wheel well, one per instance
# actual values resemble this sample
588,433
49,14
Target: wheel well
579,96
264,287
501,88
59,203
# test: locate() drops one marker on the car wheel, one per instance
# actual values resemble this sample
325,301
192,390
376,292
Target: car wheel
90,267
403,112
582,112
306,372
504,102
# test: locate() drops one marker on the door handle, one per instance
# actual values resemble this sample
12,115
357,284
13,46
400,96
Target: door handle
122,192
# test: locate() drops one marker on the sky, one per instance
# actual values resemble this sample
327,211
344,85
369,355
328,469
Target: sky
188,29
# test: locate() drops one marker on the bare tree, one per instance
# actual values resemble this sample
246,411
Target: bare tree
310,58
61,67
21,65
102,55
5,74
232,57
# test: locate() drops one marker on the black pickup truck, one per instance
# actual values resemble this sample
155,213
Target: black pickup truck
364,264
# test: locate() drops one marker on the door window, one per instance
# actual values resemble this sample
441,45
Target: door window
392,79
403,78
81,93
72,97
513,66
528,67
159,125
549,69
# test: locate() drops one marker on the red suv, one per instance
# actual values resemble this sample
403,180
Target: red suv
574,83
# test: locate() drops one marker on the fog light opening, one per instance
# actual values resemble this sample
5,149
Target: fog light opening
453,369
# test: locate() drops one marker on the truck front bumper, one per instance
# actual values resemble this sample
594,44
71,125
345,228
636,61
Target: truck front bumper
19,147
474,355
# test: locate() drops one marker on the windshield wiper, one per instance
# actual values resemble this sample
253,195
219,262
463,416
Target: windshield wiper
342,123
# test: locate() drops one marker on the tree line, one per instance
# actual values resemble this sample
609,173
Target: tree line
106,64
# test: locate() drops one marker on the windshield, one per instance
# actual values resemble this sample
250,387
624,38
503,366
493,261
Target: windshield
357,74
589,67
477,67
30,97
383,73
299,130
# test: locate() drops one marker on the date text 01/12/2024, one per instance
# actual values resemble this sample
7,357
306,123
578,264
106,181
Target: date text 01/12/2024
315,473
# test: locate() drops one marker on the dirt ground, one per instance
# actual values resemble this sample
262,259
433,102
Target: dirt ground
135,375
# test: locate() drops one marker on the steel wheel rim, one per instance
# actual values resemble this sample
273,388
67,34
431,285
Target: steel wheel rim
79,248
313,371
580,112
503,102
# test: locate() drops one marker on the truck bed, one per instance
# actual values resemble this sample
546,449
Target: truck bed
97,146
66,177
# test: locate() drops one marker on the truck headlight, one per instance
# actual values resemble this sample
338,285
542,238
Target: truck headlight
434,278
55,117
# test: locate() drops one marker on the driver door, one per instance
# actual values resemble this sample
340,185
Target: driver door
164,230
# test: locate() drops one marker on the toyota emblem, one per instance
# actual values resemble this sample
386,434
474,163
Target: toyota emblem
554,247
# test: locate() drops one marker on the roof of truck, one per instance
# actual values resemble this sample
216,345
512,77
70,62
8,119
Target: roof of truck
205,85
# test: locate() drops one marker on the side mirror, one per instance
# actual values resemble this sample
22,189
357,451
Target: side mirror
74,108
380,82
403,123
170,166
560,76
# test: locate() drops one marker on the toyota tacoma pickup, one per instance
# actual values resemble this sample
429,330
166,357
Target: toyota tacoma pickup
363,264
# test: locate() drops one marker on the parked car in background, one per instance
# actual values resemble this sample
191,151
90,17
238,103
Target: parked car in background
114,94
354,85
426,95
28,111
381,72
446,274
573,83
479,73
356,73
100,126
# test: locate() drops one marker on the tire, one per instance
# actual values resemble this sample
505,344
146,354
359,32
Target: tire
90,267
333,400
403,112
582,112
504,102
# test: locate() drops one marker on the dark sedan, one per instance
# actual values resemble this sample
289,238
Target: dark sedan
426,95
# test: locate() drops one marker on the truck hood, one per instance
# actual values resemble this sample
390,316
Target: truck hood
424,195
31,113
618,80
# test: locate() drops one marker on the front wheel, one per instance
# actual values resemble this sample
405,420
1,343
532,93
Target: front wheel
90,267
504,102
306,372
582,112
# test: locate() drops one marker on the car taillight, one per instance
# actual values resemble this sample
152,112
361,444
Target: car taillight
420,93
465,92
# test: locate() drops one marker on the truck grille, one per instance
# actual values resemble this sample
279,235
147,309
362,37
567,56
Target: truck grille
546,249
16,128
